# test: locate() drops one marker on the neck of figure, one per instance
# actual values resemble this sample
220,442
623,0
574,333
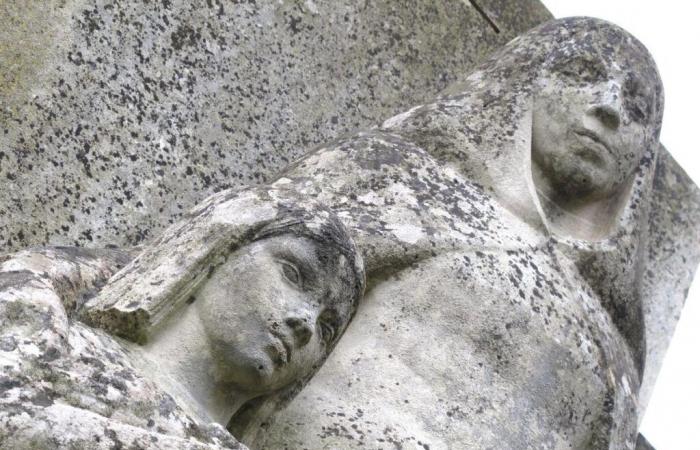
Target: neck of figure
579,218
179,359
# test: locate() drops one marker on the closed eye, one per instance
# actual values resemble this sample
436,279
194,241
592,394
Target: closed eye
327,323
636,100
290,272
327,332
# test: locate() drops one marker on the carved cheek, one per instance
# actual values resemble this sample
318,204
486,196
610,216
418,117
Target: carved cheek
630,140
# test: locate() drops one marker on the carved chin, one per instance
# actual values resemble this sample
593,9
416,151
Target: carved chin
574,176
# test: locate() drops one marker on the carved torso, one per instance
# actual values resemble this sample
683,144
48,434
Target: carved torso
502,344
491,339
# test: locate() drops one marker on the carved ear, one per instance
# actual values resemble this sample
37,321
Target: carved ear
167,272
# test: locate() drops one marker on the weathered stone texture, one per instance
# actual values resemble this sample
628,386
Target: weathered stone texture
122,115
116,117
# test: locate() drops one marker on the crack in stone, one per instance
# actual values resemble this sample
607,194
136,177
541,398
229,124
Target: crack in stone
485,16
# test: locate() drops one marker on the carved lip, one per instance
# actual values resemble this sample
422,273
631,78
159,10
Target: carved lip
593,137
285,345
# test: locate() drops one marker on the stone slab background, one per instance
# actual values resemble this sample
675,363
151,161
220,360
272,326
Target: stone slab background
117,116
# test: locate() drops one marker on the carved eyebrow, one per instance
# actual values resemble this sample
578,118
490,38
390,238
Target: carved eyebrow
306,255
590,62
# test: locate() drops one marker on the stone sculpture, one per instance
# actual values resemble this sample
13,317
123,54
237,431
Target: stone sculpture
503,230
528,342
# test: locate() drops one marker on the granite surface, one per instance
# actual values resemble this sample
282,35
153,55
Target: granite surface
412,356
118,116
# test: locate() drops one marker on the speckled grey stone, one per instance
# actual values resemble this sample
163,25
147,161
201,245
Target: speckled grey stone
538,342
118,116
66,385
485,323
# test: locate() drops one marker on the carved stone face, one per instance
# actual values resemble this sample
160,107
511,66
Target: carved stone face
272,311
591,125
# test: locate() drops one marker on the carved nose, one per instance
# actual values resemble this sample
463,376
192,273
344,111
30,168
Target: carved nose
608,115
301,330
